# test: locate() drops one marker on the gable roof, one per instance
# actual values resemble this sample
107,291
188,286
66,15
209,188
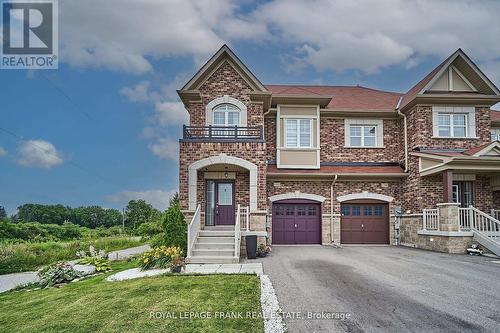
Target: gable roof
223,54
343,97
460,59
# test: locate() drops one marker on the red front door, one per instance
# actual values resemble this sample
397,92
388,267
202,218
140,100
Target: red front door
224,203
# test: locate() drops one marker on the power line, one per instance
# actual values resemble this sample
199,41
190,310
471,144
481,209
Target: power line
65,95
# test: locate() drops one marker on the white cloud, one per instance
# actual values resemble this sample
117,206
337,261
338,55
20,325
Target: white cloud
39,154
171,113
167,112
123,35
365,35
3,152
138,93
165,148
157,198
371,35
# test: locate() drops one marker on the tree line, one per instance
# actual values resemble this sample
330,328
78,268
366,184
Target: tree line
137,212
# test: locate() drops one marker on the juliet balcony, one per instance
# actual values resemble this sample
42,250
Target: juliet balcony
222,134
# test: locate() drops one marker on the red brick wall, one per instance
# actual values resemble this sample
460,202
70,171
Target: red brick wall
496,200
483,195
194,151
270,136
333,142
340,188
225,81
420,130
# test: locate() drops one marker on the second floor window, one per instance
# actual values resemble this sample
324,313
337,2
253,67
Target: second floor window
452,125
226,115
298,133
453,121
495,134
363,135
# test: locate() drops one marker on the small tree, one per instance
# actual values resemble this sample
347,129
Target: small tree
175,229
3,213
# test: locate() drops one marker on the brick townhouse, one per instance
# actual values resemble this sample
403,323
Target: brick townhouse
306,164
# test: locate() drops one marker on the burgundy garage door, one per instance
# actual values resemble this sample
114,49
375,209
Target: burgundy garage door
296,222
364,223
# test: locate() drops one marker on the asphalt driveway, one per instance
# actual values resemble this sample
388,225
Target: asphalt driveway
385,289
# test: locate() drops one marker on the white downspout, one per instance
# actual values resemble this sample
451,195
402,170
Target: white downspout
405,134
331,208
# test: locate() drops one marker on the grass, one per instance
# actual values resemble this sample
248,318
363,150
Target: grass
30,256
94,305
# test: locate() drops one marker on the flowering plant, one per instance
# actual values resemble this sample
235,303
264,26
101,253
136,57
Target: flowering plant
160,257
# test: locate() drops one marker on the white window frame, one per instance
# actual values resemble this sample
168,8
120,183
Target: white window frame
470,121
298,134
379,132
495,134
226,112
452,125
362,135
209,117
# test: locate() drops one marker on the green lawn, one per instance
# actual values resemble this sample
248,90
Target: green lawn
95,305
30,256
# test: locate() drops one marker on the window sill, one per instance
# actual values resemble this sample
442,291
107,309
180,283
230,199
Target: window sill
456,137
298,148
365,147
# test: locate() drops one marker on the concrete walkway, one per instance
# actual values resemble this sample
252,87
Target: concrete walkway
254,268
10,281
127,253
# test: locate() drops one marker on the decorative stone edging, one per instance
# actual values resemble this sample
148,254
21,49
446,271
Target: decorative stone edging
135,273
273,322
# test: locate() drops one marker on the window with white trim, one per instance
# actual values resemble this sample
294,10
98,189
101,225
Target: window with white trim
454,122
362,135
495,134
452,125
226,115
298,133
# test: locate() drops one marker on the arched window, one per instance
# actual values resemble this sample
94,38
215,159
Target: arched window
226,115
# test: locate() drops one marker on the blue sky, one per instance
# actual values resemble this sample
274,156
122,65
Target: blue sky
103,128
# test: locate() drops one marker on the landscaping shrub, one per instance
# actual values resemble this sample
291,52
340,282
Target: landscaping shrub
160,257
149,229
57,273
174,229
97,258
30,256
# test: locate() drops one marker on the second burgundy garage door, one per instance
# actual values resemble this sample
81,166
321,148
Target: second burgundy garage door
364,223
296,222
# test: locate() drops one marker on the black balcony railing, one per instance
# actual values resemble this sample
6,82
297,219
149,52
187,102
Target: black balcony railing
223,133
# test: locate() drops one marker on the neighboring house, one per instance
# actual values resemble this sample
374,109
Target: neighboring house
337,164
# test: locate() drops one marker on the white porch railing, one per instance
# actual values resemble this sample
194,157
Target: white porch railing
245,218
473,219
431,219
495,213
466,217
193,229
237,233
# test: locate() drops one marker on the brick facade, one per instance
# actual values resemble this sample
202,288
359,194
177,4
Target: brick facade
333,143
420,131
413,192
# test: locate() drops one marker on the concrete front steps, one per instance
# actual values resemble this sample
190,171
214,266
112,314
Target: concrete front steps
213,247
